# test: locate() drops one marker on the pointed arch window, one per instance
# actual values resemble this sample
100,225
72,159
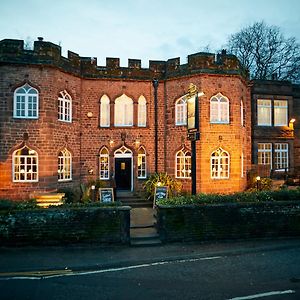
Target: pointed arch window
219,109
123,111
64,107
104,111
104,164
64,165
25,165
142,163
242,113
26,102
183,164
219,164
181,111
142,112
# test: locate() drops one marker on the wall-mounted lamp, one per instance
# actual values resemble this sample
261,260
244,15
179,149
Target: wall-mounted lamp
291,123
137,143
91,171
89,114
111,142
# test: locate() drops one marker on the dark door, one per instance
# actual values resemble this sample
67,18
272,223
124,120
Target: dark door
123,173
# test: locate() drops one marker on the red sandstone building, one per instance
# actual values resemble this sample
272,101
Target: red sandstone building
67,120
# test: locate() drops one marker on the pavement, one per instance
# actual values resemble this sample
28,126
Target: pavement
54,260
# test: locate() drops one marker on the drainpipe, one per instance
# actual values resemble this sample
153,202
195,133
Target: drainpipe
155,85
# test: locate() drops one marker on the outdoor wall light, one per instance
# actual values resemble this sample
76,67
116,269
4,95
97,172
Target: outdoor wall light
137,143
111,142
257,182
91,171
291,123
89,114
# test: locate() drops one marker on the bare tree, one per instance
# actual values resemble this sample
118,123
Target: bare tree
266,52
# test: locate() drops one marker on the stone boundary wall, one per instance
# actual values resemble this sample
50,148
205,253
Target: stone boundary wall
61,226
228,221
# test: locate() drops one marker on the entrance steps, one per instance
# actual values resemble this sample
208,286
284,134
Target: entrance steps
143,227
130,199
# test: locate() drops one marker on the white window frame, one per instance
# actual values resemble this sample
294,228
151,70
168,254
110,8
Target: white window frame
142,163
281,109
123,111
219,109
264,104
23,165
242,113
104,111
281,153
104,164
219,160
64,107
142,112
183,164
64,165
264,153
242,165
27,97
181,111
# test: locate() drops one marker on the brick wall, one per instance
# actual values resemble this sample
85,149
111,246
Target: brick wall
228,221
63,226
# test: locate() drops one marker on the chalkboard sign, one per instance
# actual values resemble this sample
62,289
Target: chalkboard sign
161,192
106,195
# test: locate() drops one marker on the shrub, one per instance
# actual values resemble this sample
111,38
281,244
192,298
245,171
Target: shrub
162,179
19,205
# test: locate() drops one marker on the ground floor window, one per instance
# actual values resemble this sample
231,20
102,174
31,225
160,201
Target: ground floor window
264,154
142,163
281,156
25,165
104,164
64,165
219,162
183,164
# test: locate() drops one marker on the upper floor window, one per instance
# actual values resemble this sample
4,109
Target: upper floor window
142,112
264,110
64,165
264,153
104,164
219,109
64,107
183,164
123,111
281,156
280,113
104,111
26,102
142,163
181,111
25,165
219,164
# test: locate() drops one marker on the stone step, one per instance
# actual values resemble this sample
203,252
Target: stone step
145,243
144,237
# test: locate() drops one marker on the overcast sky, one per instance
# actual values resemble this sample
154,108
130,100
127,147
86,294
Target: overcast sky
141,29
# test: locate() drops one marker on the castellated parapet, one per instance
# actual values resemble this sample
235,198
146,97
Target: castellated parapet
47,53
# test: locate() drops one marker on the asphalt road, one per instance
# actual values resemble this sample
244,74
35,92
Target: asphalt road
266,270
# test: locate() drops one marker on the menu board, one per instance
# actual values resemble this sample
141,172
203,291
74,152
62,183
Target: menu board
106,195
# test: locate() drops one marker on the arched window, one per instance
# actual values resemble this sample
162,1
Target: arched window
142,163
242,113
219,109
26,102
181,111
219,164
123,111
142,112
25,165
104,111
64,165
64,107
183,164
104,164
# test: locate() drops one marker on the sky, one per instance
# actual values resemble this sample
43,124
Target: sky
142,29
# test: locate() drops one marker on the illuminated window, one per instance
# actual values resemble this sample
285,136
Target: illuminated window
181,111
104,164
264,112
64,165
281,156
242,113
26,102
242,165
104,111
142,163
264,151
183,164
142,112
280,113
25,165
64,107
123,111
219,162
219,109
